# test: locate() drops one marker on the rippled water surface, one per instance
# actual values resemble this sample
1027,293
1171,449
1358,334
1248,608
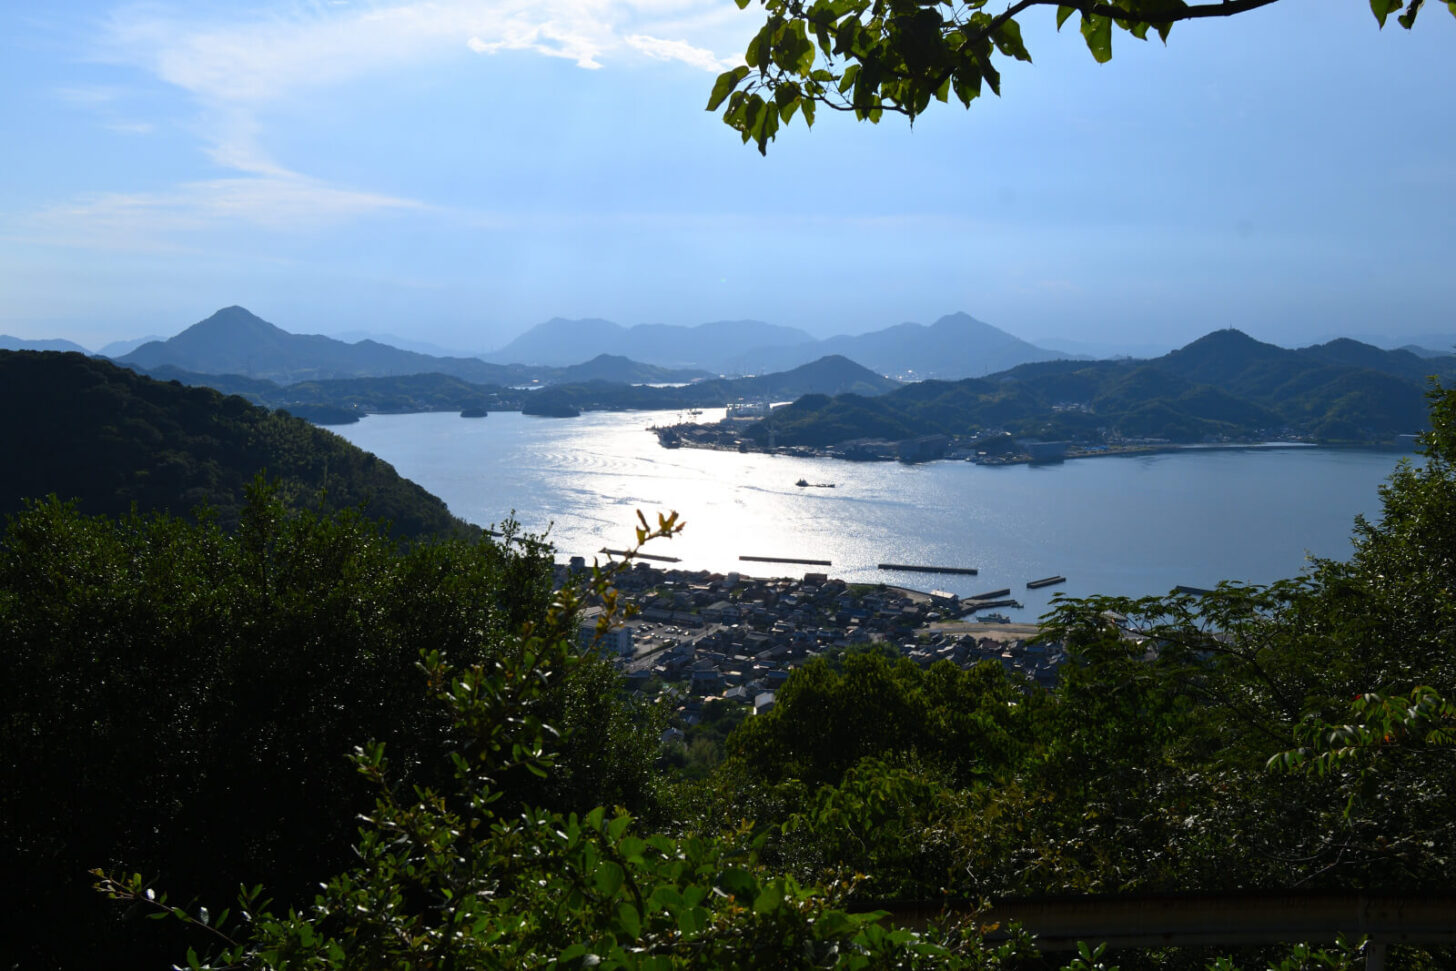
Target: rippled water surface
1132,525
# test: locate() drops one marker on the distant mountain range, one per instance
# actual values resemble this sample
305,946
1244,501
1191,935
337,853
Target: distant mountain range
8,343
1224,386
715,347
955,346
235,341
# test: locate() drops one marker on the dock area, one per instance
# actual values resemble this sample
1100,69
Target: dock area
990,594
966,570
974,605
1045,582
642,556
785,559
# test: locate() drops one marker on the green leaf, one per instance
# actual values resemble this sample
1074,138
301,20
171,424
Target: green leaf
1384,8
725,84
1097,30
1008,41
630,920
1062,14
609,878
738,882
692,920
769,900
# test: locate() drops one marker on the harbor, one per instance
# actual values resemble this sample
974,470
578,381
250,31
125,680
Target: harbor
909,568
785,559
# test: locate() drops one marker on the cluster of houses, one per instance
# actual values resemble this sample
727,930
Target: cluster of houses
700,635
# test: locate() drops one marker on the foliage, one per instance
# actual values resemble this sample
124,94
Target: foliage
114,440
182,692
868,57
1224,385
181,698
456,877
824,722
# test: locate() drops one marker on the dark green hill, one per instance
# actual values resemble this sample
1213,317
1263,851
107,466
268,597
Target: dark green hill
1397,363
85,429
1225,386
829,375
615,367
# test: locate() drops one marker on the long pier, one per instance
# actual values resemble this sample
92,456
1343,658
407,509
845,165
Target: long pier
1044,582
785,559
643,556
976,605
966,570
990,594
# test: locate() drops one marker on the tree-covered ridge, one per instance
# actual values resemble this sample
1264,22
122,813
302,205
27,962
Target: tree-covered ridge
344,399
86,429
1225,385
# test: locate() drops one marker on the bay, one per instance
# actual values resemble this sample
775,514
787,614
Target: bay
1117,525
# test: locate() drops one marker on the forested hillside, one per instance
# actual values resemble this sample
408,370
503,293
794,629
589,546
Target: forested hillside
86,429
1225,385
179,700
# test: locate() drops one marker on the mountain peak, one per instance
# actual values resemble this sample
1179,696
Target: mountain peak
232,317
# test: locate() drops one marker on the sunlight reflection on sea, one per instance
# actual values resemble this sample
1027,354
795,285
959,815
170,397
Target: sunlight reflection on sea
1111,525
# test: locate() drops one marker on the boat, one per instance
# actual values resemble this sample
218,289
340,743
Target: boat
994,619
802,483
806,484
473,411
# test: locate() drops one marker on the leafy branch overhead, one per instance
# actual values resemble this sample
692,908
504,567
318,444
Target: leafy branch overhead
873,56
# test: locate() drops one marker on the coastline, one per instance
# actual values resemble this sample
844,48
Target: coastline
1073,451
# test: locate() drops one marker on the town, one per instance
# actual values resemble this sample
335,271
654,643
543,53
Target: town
699,637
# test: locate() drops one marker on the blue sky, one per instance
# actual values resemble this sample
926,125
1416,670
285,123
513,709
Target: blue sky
456,172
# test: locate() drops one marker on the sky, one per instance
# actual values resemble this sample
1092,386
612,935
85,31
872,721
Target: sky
455,172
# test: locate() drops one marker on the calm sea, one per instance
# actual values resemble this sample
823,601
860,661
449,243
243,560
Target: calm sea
1134,525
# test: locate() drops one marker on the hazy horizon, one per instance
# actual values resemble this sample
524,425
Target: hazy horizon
456,173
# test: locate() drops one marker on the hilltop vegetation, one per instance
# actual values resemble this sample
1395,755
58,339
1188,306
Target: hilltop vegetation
88,430
1225,385
179,698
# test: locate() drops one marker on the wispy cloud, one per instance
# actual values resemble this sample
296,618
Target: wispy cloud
130,127
232,66
677,50
165,220
90,95
265,57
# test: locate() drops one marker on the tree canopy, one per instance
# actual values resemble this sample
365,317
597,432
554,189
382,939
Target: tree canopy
868,57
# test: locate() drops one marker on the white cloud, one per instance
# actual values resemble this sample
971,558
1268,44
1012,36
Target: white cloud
233,66
90,95
163,220
270,56
677,50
